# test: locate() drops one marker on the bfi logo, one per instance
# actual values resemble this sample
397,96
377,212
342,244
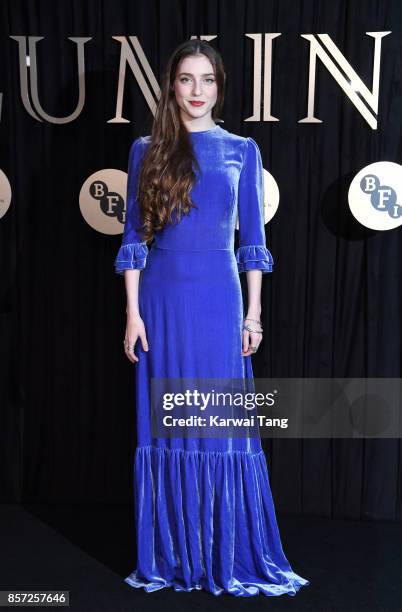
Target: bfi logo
375,196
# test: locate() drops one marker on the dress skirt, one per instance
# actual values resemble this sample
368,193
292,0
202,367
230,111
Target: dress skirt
204,513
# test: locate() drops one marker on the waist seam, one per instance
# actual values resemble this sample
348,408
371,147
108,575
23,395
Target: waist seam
188,250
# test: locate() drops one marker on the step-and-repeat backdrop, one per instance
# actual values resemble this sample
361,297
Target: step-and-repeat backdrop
319,88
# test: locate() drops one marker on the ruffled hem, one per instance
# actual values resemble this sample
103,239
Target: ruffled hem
206,520
236,588
131,257
254,257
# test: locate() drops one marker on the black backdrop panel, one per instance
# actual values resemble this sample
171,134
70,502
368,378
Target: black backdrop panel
332,307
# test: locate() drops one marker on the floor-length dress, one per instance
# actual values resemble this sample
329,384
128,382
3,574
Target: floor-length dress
204,513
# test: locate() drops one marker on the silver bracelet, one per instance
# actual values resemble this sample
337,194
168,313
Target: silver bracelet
255,320
255,331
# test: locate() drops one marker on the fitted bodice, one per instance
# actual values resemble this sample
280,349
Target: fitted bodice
212,224
228,186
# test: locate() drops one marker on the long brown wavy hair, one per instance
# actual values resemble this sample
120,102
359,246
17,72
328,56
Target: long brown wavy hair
167,172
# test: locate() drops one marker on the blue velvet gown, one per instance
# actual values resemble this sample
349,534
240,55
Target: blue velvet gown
204,513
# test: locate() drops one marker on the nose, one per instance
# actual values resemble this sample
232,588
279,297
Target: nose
196,87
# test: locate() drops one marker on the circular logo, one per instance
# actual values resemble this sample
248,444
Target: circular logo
102,200
5,194
271,196
375,196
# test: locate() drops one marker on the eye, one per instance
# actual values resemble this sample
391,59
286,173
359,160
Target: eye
210,80
184,79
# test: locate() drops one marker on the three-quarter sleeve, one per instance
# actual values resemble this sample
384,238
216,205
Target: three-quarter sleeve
252,253
133,252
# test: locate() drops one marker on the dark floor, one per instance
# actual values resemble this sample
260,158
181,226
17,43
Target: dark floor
88,551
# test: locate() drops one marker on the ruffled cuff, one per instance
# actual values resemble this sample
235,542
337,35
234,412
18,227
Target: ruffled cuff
254,257
131,257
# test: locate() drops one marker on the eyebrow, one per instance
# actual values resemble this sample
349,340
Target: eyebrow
205,74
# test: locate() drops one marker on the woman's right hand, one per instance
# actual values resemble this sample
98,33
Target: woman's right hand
135,329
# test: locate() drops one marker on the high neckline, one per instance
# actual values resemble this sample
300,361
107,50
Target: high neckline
205,131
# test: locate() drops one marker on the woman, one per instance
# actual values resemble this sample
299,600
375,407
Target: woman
203,507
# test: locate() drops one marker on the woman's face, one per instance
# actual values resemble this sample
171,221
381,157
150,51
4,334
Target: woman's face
195,81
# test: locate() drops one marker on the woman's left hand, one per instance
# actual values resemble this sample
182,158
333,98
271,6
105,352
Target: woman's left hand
251,340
